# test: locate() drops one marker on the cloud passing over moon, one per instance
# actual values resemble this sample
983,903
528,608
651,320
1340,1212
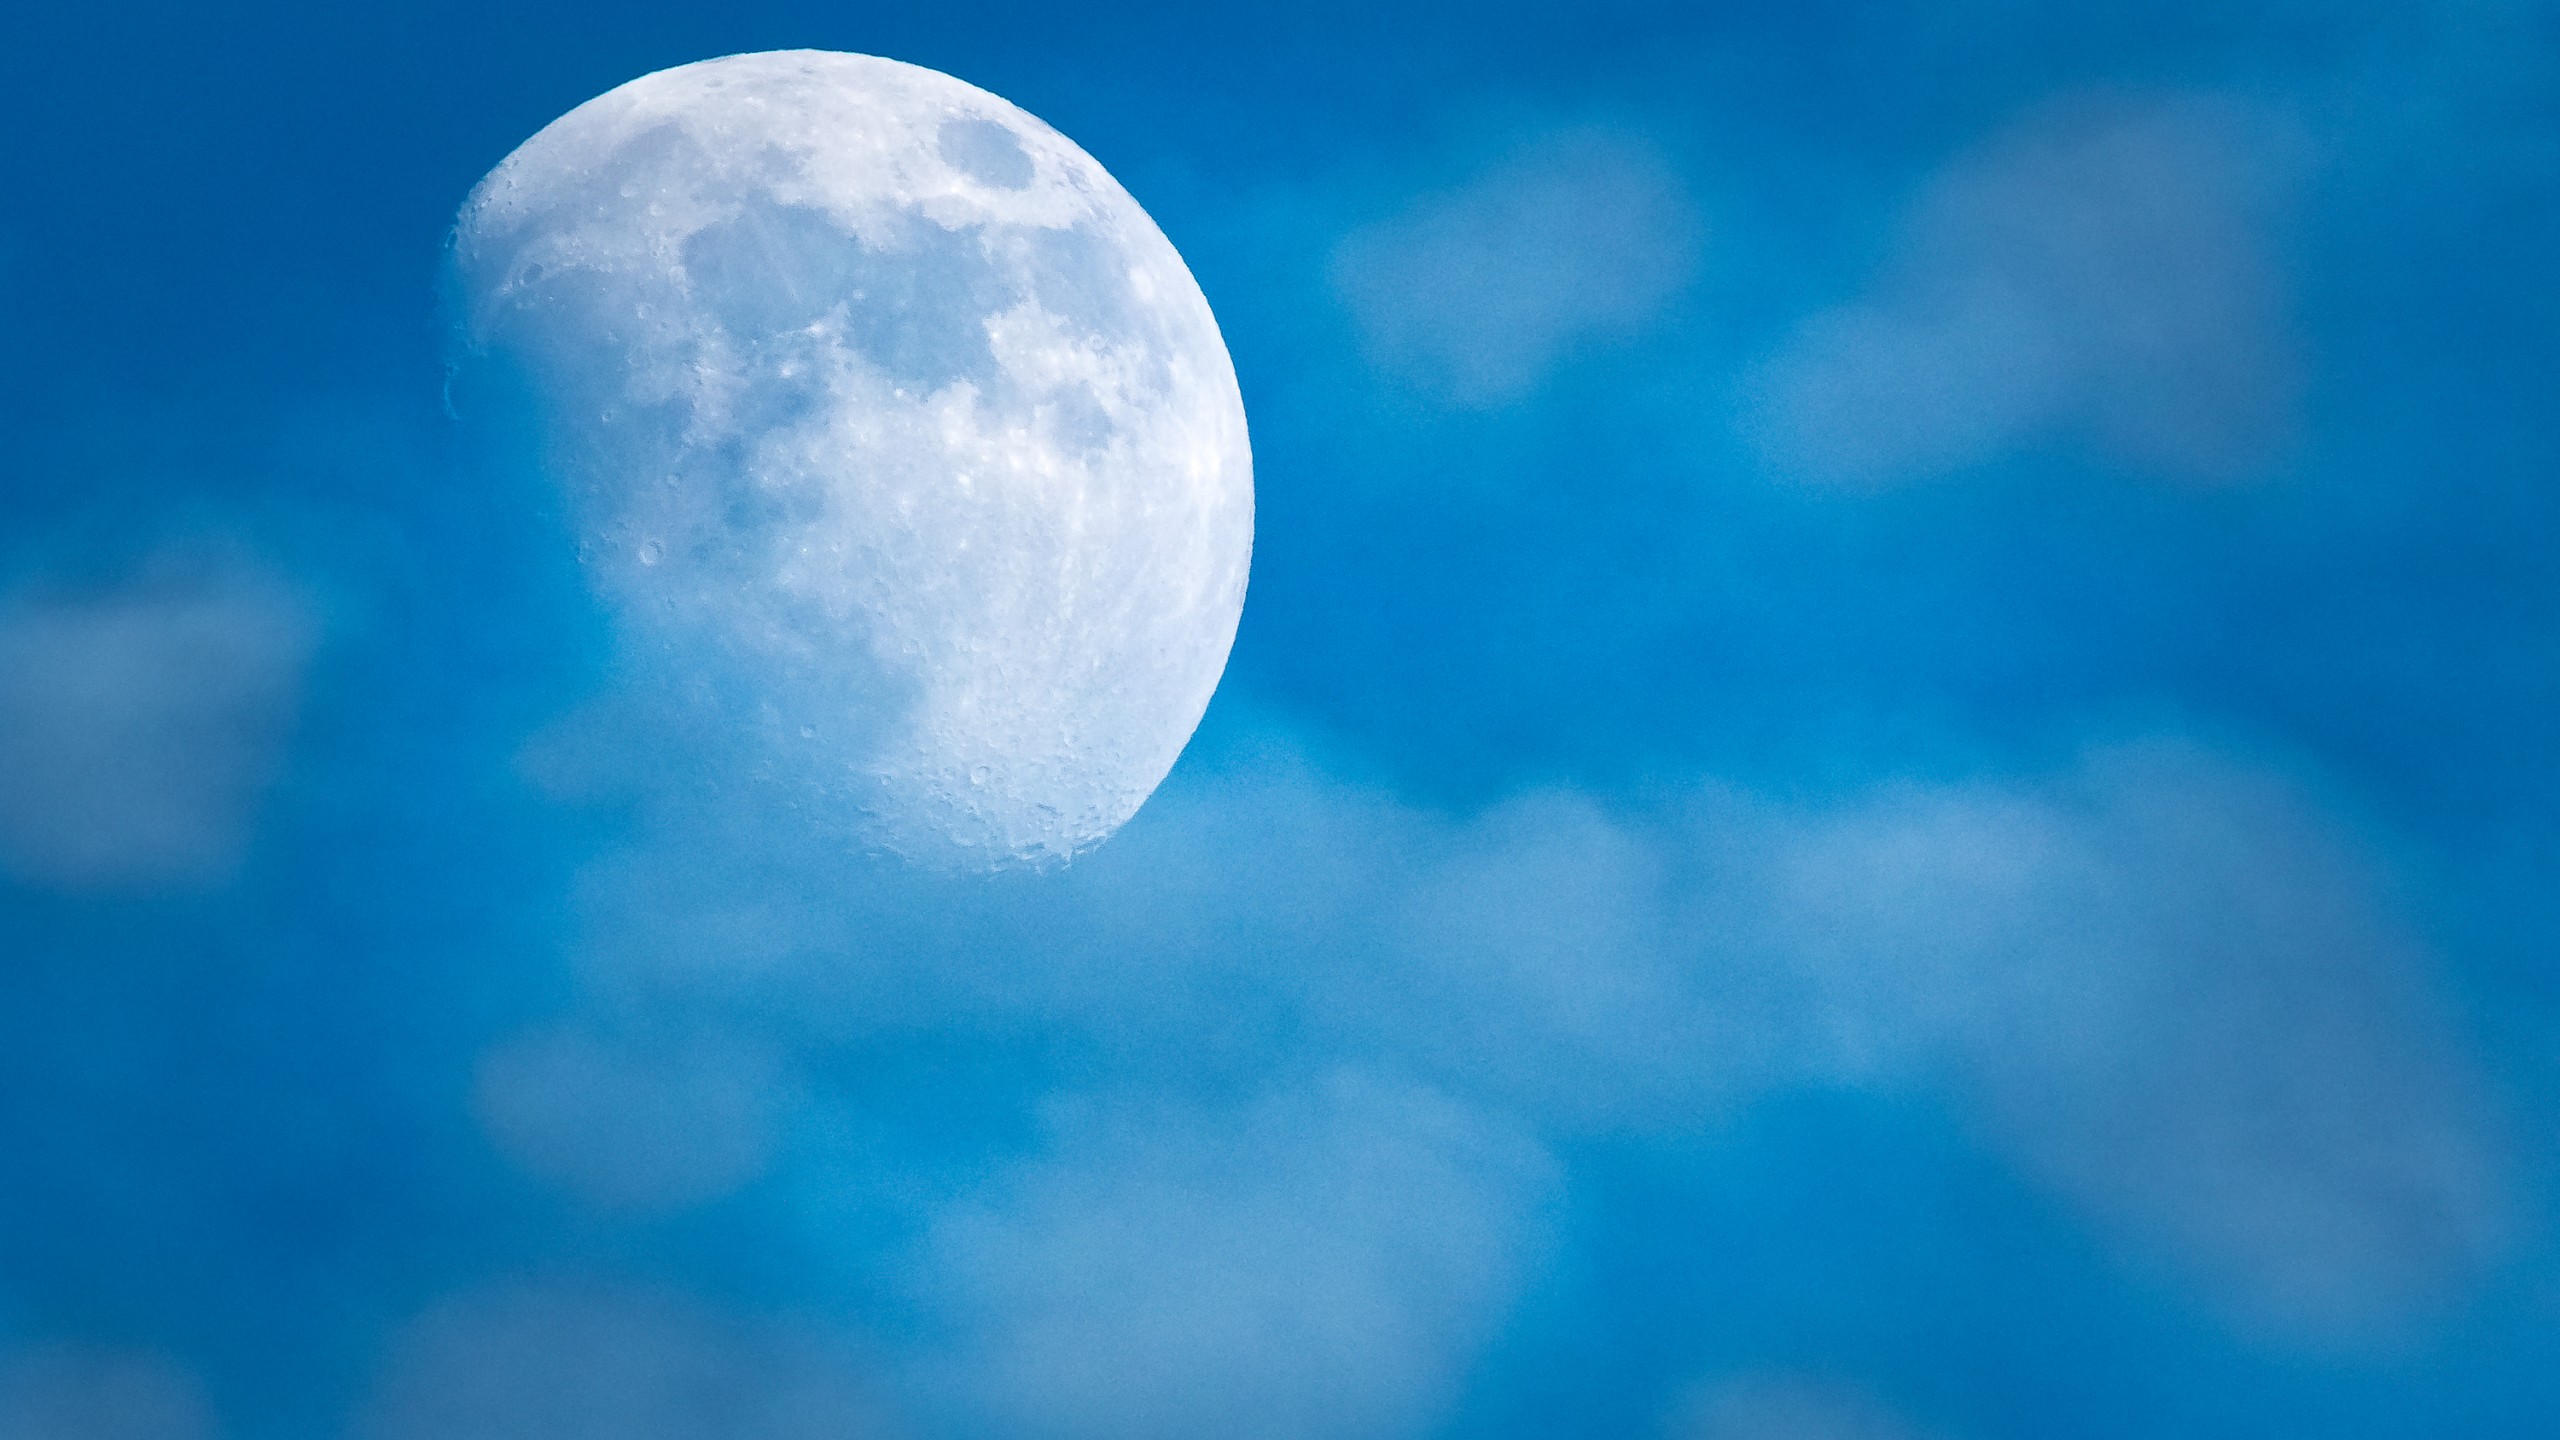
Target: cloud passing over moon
897,438
1890,776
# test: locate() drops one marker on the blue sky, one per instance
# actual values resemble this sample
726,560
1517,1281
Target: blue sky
1888,771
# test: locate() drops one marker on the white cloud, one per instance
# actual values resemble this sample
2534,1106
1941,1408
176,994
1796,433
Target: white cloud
562,1361
1476,292
70,1392
1323,1262
141,725
630,1125
2098,273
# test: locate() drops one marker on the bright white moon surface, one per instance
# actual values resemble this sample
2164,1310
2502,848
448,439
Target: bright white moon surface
893,429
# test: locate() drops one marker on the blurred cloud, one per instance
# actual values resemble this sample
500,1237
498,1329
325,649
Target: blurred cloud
142,722
575,1361
1586,1007
630,1126
1476,292
1780,1406
72,1392
2165,980
1323,1262
2178,996
2098,272
1555,957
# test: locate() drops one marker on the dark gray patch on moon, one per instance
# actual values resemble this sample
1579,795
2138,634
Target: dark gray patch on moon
917,310
1073,276
1082,277
985,152
920,312
1078,421
773,268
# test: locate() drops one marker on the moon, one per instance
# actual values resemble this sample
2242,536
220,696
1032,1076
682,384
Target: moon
895,436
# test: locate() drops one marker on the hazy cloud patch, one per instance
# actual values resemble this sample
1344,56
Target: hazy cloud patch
72,1392
1776,1405
2098,273
1324,1262
1476,292
2179,997
2164,980
1574,965
573,1361
142,723
630,1125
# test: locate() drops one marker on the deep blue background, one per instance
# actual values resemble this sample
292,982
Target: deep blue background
235,1130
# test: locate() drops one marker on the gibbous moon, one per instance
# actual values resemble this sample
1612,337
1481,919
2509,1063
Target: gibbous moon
894,434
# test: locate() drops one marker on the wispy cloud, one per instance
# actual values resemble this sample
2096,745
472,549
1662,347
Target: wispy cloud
560,1360
2179,997
1475,293
1698,925
1323,1260
144,720
650,1123
2098,274
1774,1405
2164,981
78,1392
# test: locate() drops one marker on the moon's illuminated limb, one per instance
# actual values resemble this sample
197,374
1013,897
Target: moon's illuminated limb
890,417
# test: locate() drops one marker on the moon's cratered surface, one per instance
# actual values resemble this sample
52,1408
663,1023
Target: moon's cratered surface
891,427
